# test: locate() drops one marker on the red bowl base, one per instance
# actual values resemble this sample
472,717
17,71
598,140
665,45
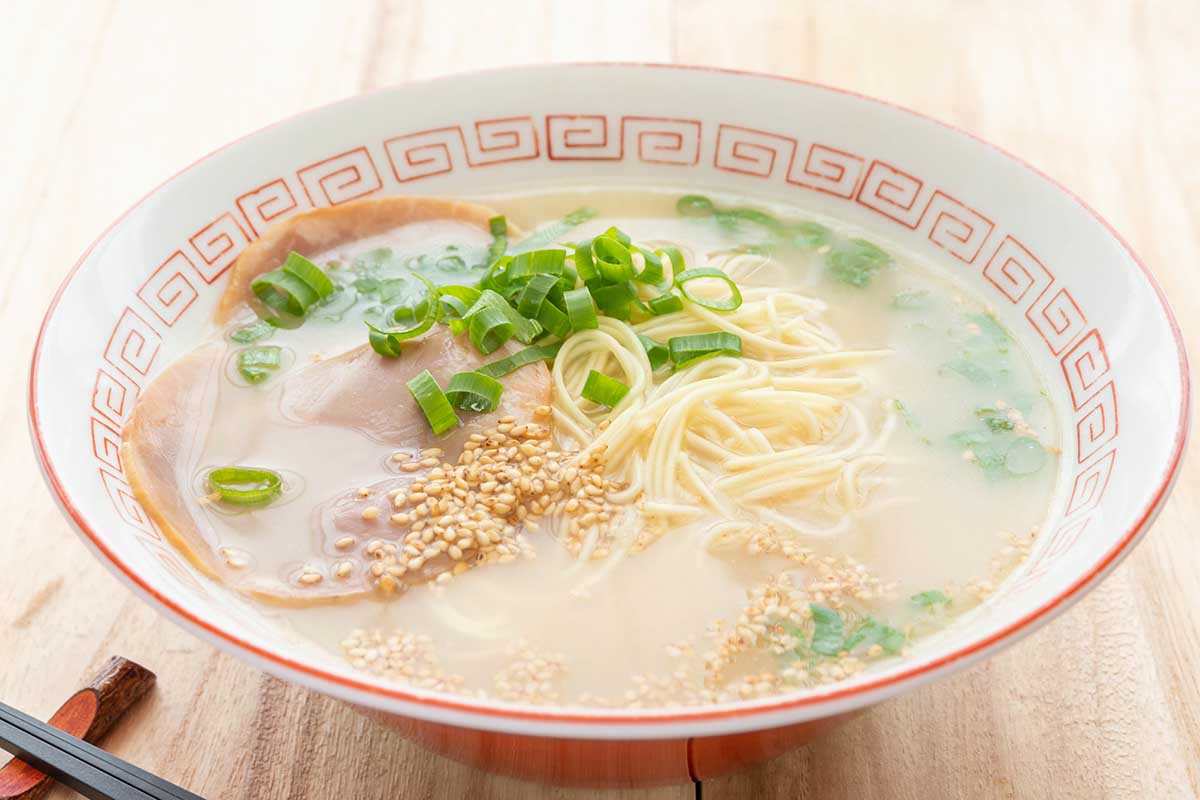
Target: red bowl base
604,762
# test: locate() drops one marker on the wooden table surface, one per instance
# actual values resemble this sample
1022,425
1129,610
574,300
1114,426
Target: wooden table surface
100,101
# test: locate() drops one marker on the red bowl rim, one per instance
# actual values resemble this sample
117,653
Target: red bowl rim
1021,626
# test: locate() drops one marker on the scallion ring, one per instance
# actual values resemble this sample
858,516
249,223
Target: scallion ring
530,355
433,403
581,311
474,391
489,328
686,350
245,486
733,301
387,341
600,388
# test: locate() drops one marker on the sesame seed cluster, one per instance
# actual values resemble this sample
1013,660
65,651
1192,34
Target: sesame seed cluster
478,510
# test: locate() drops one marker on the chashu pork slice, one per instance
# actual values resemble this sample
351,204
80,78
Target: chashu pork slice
322,229
359,391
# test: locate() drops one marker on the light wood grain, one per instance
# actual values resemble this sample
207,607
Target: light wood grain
102,100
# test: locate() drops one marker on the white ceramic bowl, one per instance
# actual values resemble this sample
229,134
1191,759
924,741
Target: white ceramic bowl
1072,291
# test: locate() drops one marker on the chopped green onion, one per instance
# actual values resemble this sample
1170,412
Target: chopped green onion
498,227
252,333
541,352
694,205
657,353
553,320
585,265
474,391
536,262
613,301
525,330
599,388
613,258
489,328
652,267
245,486
387,341
673,255
733,301
257,363
685,350
292,288
530,301
828,630
665,304
581,311
429,396
810,235
855,262
457,299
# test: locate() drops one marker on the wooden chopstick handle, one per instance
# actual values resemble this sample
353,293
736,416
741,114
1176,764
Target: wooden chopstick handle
88,715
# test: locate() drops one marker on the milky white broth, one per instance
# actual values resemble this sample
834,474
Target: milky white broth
937,521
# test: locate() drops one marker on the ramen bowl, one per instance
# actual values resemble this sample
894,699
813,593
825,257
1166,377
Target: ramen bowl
1069,289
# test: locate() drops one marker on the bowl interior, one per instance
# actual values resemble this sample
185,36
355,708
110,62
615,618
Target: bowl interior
1064,283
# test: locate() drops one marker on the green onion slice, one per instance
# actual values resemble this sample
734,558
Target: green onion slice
729,303
652,267
581,311
429,396
665,304
257,363
600,388
673,255
613,258
474,391
387,341
549,234
245,486
536,262
541,352
585,265
292,288
553,320
489,328
686,350
456,300
530,301
252,333
613,301
657,353
498,226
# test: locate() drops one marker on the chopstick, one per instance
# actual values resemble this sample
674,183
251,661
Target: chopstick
94,773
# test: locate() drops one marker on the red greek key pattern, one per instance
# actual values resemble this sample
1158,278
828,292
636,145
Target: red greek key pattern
132,346
1097,425
582,137
499,141
1090,484
1084,366
106,446
268,203
341,178
828,170
1057,319
893,193
112,396
218,245
424,154
956,228
1016,272
748,151
168,292
658,140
